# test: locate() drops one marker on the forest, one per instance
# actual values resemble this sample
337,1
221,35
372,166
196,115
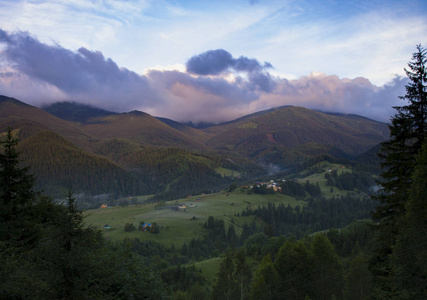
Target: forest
343,247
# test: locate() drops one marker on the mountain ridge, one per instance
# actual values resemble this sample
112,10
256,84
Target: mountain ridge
173,159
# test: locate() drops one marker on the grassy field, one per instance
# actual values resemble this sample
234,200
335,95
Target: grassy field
210,268
325,167
227,172
179,227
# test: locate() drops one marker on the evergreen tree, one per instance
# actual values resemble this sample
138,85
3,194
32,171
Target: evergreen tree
46,251
16,194
242,274
410,252
326,269
265,284
408,131
293,263
225,285
359,279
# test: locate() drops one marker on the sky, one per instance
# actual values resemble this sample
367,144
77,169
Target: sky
211,61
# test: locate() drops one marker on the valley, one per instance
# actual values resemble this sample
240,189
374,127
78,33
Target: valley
112,155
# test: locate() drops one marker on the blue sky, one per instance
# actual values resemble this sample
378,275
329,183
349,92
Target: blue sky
340,56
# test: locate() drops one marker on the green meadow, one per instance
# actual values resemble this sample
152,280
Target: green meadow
319,177
179,227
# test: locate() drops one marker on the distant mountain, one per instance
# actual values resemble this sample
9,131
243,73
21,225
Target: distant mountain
75,112
273,135
135,153
141,128
187,128
200,125
31,120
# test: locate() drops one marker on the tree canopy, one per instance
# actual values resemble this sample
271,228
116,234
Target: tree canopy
408,131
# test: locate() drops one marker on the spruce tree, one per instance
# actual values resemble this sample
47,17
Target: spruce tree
408,130
16,194
410,253
265,284
293,263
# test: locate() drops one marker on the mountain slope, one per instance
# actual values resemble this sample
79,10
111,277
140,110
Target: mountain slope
186,129
75,112
293,127
128,153
30,120
140,128
59,164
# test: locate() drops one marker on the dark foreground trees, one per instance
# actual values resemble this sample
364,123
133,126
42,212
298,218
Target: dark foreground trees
408,131
46,251
410,253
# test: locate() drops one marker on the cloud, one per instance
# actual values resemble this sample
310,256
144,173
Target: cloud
82,75
38,74
214,62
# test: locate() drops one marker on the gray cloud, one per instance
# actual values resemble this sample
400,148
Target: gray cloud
83,74
263,81
38,73
214,62
210,62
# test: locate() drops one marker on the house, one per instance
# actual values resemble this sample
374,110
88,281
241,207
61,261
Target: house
145,226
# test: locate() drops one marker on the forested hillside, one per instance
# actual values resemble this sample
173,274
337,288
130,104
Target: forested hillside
129,154
60,164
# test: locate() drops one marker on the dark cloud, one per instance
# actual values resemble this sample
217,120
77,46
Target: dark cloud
262,81
214,62
38,73
79,74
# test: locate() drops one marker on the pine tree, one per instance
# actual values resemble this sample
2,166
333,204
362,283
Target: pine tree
327,269
242,273
408,131
16,193
47,252
358,279
293,263
265,284
410,252
225,285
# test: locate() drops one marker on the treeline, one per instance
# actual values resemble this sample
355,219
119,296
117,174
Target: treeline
217,239
309,268
172,173
317,215
256,266
169,173
350,181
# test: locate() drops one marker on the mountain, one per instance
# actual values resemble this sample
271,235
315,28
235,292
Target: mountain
75,112
272,135
187,129
136,153
31,120
141,128
58,164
